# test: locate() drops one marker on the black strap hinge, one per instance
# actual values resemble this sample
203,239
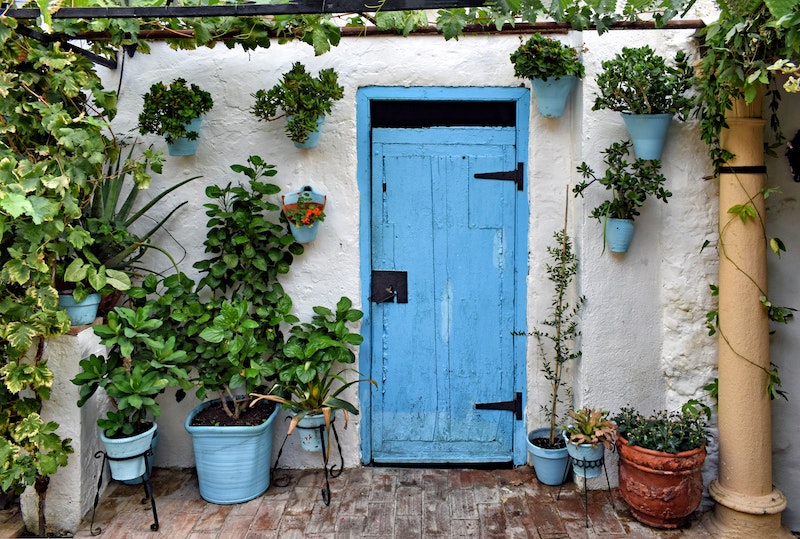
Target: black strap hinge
516,176
511,406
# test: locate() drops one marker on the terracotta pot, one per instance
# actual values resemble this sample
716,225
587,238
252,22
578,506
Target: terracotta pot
662,489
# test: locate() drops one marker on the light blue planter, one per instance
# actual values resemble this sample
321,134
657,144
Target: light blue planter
550,465
618,233
310,437
593,456
233,463
305,234
80,313
552,94
148,463
648,133
120,448
313,138
184,146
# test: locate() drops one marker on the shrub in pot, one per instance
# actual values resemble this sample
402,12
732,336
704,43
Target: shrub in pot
640,85
175,112
304,100
660,462
630,184
553,69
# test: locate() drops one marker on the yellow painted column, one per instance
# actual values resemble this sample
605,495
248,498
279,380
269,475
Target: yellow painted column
747,504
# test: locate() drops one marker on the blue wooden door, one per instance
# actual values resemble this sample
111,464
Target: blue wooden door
449,347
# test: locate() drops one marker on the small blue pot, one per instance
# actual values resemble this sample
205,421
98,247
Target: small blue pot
81,313
123,448
618,234
550,465
591,456
552,94
313,137
182,145
303,233
148,462
233,463
648,133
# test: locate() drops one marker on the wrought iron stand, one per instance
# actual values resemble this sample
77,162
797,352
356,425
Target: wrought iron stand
588,464
330,473
148,489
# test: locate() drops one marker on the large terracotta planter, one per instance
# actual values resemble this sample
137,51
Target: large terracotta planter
662,489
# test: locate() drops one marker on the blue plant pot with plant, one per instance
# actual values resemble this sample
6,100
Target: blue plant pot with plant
312,141
587,460
619,234
184,146
550,465
304,210
80,313
648,133
552,94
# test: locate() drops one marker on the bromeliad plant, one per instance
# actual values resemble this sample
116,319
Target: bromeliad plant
630,183
590,426
308,380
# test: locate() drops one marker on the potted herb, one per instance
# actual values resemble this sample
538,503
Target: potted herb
303,99
304,210
557,345
311,373
630,184
664,452
175,112
137,367
553,69
647,92
588,433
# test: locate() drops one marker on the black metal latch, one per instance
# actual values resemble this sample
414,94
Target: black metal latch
515,176
389,286
511,406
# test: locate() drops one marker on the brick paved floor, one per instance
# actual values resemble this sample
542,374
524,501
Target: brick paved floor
385,503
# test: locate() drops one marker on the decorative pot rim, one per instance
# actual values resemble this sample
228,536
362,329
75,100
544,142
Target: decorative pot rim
623,442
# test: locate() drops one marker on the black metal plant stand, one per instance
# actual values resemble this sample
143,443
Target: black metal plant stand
330,473
587,464
148,489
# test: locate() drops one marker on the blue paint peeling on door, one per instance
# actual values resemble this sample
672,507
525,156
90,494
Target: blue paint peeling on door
461,242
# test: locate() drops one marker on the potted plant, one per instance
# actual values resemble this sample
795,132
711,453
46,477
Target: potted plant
557,346
137,367
310,375
553,69
647,92
303,99
176,113
630,184
660,462
82,279
304,210
588,433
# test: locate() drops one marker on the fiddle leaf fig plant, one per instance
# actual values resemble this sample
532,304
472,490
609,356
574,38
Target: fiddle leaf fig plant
304,99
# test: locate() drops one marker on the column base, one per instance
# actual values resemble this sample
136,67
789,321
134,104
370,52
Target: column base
736,515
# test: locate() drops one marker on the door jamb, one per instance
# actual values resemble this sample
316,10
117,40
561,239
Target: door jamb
364,178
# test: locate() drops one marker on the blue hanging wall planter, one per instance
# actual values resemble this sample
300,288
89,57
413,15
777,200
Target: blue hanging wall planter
618,234
80,313
552,94
305,197
648,133
184,146
313,137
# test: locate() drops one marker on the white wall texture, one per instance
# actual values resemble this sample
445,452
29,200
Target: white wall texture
643,342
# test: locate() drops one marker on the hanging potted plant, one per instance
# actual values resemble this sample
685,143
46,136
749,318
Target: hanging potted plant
303,99
647,92
176,113
557,346
310,377
630,184
661,458
589,433
137,367
304,210
81,281
553,69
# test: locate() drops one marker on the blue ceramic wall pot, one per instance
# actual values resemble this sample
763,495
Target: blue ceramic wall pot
648,133
313,137
550,465
233,462
182,145
80,313
618,234
552,94
304,233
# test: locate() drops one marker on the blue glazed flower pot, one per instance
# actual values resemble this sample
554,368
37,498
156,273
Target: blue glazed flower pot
148,462
587,461
182,145
121,448
618,233
550,465
233,463
310,437
80,313
648,133
313,137
552,94
304,234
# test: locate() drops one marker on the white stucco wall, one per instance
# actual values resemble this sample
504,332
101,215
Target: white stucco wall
644,341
